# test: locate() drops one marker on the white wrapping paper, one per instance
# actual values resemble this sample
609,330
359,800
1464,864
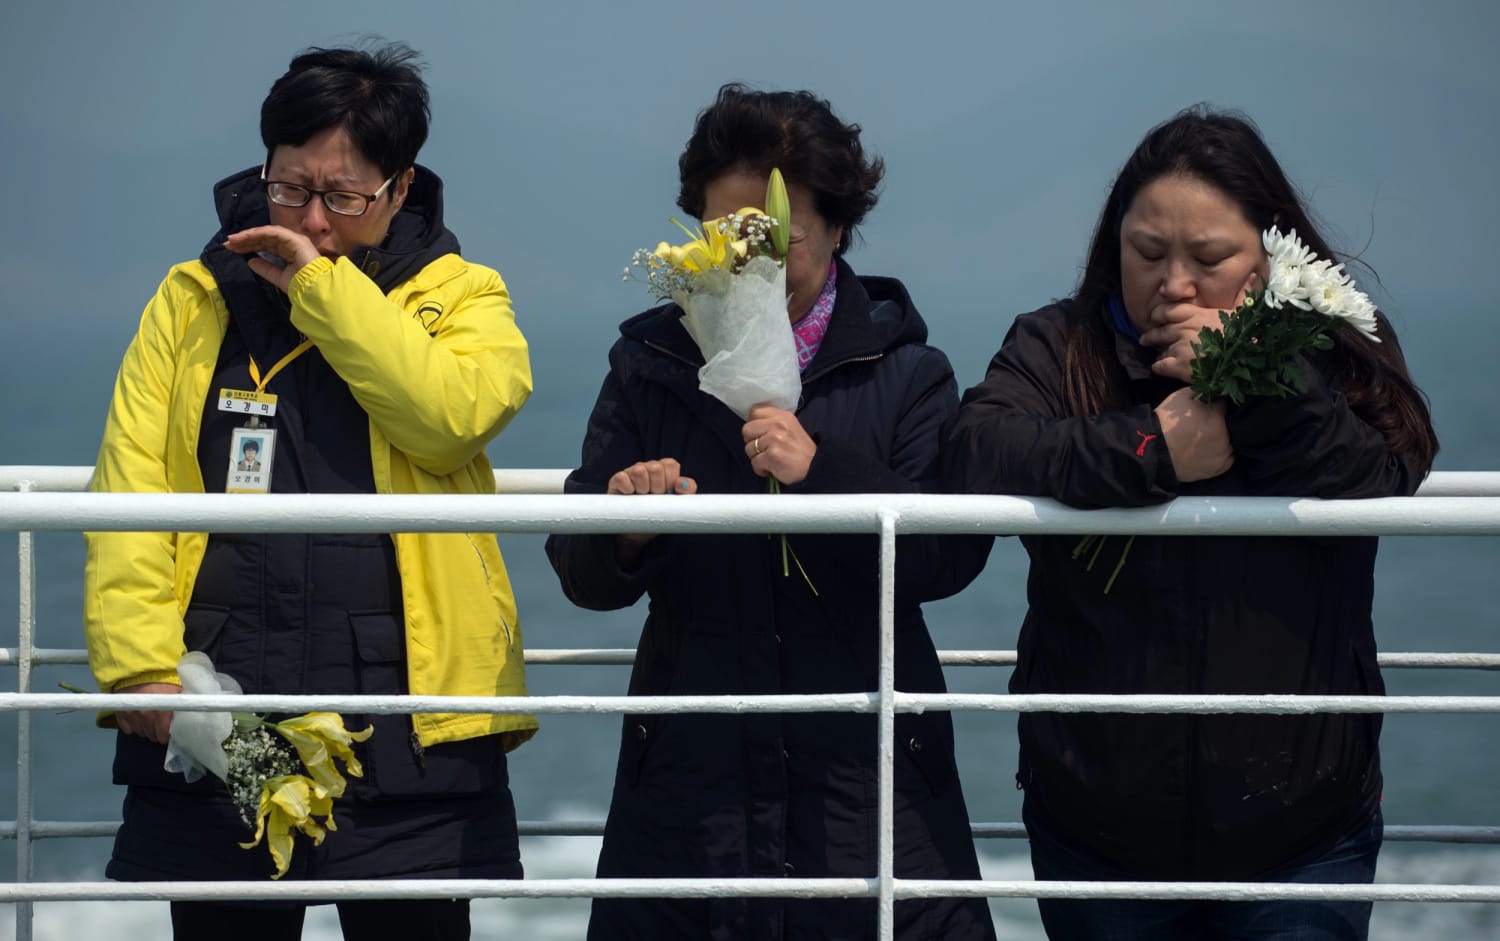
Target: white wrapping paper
740,325
196,740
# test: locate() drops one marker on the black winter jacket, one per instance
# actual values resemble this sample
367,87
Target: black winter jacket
1185,797
703,795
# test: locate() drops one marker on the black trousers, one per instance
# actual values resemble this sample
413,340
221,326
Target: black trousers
407,919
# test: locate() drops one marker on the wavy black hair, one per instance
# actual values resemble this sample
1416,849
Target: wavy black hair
796,131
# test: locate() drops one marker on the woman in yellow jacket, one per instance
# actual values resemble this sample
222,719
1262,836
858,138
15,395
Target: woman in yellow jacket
331,329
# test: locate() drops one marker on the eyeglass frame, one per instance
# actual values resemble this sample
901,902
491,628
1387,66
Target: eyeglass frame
369,198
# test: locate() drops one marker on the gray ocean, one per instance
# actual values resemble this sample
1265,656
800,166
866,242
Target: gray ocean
1433,594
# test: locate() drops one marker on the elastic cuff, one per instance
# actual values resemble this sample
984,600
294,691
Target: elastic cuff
153,676
309,273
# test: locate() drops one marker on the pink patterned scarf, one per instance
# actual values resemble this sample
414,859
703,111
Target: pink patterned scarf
810,329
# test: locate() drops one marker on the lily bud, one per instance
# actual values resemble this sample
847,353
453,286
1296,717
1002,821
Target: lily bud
779,208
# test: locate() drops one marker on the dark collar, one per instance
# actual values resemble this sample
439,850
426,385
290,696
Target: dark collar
417,235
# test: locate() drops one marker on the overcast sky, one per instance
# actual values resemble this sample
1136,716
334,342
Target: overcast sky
557,127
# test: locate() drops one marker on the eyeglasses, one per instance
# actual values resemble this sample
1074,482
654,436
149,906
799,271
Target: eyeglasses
342,202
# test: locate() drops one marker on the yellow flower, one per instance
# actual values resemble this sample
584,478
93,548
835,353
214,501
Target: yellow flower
286,802
779,208
319,737
711,248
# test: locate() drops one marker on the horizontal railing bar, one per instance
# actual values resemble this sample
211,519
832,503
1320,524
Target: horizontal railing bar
1461,484
791,513
1412,833
737,703
733,887
1197,891
53,478
56,478
1152,703
625,656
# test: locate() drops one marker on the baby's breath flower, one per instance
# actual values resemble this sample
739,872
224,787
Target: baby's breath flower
255,757
671,272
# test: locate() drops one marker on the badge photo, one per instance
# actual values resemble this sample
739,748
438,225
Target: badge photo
251,451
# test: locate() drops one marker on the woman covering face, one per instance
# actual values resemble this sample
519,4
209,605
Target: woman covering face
793,795
1087,402
299,354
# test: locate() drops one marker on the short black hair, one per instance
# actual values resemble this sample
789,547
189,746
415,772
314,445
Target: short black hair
377,95
795,131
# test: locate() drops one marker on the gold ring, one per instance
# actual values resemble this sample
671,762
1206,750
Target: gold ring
757,445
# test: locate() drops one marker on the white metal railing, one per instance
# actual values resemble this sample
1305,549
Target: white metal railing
47,499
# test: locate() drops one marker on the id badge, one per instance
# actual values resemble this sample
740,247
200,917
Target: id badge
251,451
243,402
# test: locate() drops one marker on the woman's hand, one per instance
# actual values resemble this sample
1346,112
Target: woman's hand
153,725
294,249
1196,435
777,444
1175,328
660,476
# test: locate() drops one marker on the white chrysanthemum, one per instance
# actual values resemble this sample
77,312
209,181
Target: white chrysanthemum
1287,256
1300,278
1326,285
1286,249
1333,294
1359,311
1284,286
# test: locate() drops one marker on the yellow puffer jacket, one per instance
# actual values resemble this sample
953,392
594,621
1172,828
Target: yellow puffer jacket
439,366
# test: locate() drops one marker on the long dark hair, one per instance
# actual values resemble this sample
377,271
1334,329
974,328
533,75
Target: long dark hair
1225,150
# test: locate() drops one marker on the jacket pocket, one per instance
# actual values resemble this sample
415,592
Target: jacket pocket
638,734
398,768
203,628
926,739
396,765
380,647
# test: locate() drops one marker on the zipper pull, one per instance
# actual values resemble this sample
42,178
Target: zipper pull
418,750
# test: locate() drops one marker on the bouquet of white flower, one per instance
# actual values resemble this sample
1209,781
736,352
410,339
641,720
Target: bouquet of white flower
1304,298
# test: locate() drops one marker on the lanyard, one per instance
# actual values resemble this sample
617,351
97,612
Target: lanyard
260,384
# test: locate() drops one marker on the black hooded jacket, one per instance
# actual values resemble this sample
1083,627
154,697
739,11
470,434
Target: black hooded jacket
1185,796
702,795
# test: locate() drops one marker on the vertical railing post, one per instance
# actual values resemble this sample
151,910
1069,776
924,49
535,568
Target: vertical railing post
886,871
26,589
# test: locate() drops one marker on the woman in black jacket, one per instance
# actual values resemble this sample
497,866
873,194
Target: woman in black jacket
776,795
1087,403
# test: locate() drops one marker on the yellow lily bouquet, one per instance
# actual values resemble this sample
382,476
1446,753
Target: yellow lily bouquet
730,281
280,775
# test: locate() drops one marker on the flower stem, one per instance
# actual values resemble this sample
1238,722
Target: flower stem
774,486
1119,565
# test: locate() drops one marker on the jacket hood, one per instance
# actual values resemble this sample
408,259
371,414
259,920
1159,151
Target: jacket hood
417,235
871,316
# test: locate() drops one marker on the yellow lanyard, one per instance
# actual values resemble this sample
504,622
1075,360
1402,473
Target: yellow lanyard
260,384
